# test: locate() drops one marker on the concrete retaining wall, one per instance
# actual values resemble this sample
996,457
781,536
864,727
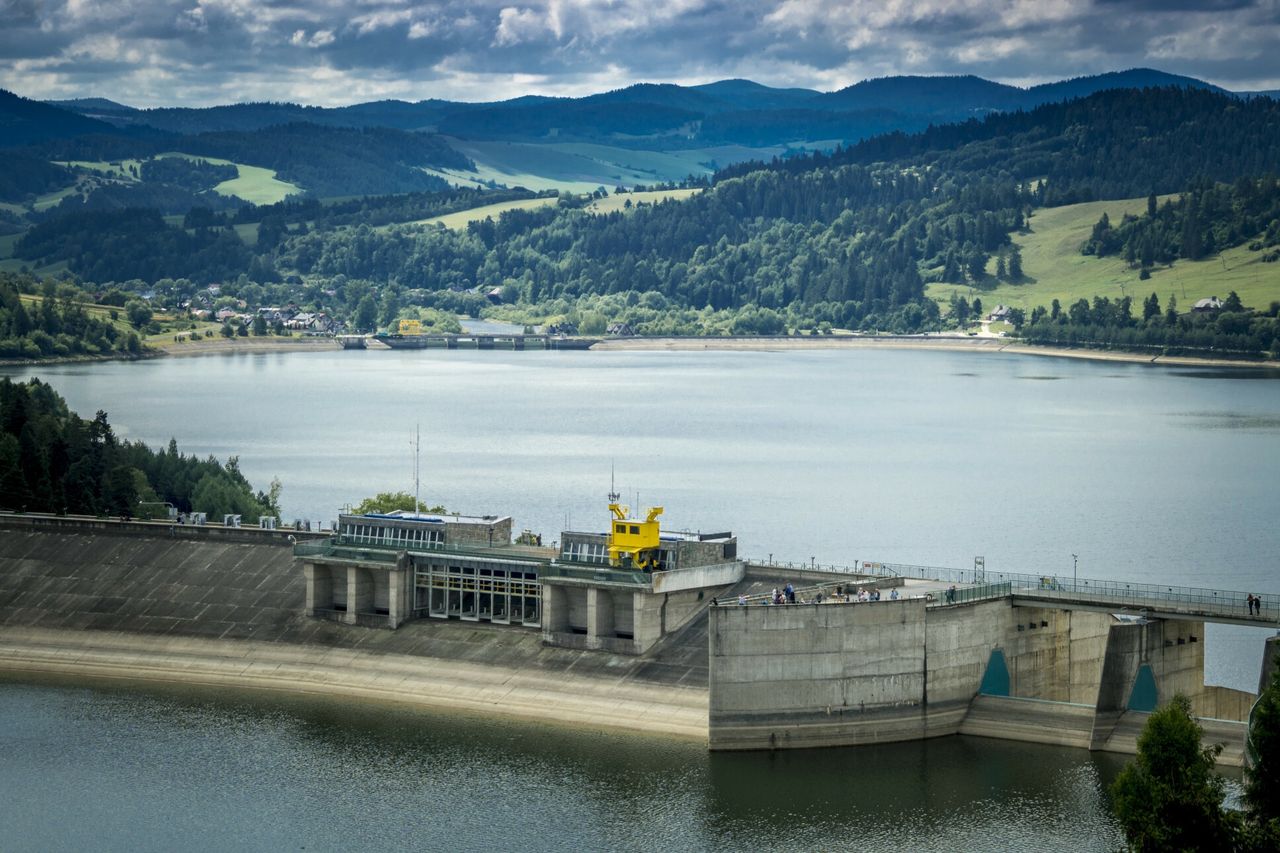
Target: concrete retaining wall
814,675
847,674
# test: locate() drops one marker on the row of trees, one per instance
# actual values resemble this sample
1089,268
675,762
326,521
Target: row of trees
1233,329
52,460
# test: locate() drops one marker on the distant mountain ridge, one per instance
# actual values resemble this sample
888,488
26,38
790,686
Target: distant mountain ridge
636,115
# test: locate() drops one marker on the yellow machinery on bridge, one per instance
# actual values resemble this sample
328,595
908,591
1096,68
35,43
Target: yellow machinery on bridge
633,544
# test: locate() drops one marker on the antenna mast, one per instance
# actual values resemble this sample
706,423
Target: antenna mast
417,454
613,492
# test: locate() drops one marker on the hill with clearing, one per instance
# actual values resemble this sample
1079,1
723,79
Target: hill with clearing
1055,268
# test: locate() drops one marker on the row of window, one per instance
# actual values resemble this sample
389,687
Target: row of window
586,552
397,537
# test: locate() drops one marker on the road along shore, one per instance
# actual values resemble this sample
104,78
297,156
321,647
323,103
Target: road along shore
549,697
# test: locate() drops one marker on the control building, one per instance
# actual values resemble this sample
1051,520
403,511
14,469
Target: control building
382,570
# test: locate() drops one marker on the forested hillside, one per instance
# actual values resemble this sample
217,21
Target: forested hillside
52,460
54,326
849,239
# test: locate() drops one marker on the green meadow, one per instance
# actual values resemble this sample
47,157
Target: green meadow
618,201
254,184
1055,269
458,220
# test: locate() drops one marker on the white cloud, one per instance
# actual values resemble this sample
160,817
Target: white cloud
519,25
486,49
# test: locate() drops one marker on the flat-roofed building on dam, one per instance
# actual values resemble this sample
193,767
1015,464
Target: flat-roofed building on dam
381,570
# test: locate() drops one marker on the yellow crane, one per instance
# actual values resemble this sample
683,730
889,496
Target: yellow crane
633,544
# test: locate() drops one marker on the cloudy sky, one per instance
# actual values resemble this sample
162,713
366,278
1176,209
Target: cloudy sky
330,52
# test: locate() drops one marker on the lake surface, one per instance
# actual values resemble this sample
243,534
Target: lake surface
1148,473
184,770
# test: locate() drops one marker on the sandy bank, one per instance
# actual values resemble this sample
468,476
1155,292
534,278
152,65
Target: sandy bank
940,342
220,345
555,697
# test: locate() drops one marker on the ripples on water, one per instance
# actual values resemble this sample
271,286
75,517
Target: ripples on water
190,769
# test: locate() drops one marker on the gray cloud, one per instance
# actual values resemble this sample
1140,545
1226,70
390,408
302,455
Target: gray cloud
155,52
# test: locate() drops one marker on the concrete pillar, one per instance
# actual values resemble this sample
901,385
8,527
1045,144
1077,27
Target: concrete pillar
599,616
359,593
319,588
1269,664
1119,669
649,610
395,597
555,610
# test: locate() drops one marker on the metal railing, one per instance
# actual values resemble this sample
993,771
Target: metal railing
598,575
1122,593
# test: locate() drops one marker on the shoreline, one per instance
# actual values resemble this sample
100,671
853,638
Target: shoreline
912,342
242,346
559,698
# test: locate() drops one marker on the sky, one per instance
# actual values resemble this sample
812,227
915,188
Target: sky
149,53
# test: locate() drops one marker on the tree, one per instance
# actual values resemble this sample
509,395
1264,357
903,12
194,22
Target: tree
1169,797
138,312
1150,308
1015,263
259,325
1262,780
390,502
366,313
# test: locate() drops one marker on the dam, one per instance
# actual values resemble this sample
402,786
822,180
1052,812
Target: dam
454,611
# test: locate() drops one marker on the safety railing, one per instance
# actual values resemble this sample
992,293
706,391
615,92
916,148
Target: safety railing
1124,593
601,574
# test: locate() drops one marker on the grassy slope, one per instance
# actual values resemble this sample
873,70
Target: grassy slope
457,221
255,184
608,204
1054,267
581,167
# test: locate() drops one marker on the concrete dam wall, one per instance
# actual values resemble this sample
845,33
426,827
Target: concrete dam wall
188,598
876,672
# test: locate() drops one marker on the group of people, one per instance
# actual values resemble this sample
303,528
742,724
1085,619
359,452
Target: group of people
1255,604
787,595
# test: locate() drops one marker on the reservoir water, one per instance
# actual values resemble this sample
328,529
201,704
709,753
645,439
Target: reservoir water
1148,473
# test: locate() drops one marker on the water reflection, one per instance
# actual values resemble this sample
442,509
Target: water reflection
154,768
1231,420
1229,373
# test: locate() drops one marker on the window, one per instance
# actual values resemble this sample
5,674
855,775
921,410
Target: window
619,528
635,530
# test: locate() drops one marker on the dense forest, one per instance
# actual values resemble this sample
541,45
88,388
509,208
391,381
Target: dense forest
52,460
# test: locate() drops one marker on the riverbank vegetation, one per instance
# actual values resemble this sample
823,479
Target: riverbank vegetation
52,460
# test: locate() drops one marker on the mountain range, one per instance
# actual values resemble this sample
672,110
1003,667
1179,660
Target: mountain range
639,115
641,135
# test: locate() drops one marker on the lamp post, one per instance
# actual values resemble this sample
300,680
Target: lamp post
1075,578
